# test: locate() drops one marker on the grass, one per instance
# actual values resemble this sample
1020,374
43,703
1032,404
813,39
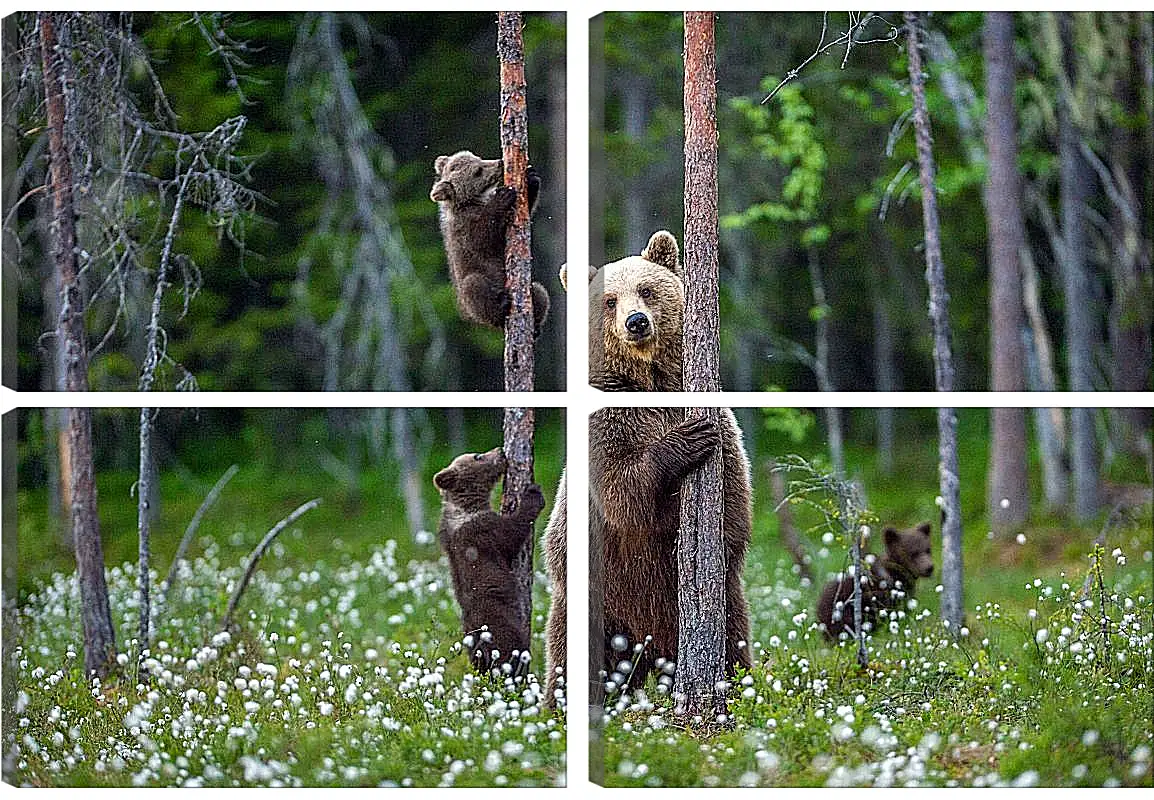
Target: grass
1004,705
345,667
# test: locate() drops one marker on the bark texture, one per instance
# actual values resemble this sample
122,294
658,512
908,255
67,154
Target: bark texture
1007,494
518,422
698,686
1076,188
952,603
515,154
96,616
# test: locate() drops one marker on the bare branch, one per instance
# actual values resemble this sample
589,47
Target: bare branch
190,531
256,554
848,37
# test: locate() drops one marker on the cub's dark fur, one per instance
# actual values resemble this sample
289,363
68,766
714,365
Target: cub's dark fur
481,545
475,212
888,582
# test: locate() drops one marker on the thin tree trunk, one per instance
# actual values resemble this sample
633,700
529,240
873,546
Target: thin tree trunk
96,616
144,529
952,603
1130,313
405,454
885,365
518,422
701,598
821,362
1075,194
634,113
785,524
515,153
1007,495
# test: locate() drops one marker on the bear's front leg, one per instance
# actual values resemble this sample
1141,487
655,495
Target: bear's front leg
686,447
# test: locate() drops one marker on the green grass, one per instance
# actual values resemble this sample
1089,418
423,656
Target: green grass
996,707
345,668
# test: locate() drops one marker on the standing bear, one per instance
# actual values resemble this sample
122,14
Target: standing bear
481,545
888,581
638,458
475,212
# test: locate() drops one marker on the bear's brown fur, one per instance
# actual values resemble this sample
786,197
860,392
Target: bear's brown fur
481,545
554,548
638,458
635,319
888,581
475,213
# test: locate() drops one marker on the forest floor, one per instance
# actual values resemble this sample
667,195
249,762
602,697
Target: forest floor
344,669
1037,692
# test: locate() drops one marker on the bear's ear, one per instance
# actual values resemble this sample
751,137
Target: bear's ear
563,274
592,272
662,249
925,528
890,536
440,163
446,479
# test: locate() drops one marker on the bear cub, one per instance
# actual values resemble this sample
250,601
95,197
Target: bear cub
481,545
888,581
475,212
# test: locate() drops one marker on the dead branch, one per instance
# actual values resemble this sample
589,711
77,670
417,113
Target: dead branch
190,531
857,24
256,554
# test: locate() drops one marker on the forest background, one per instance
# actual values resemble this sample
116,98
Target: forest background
331,220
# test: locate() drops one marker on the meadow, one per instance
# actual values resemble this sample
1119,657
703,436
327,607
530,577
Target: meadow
1044,687
344,667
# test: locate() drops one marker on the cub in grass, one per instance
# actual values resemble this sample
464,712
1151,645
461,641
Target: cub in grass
888,582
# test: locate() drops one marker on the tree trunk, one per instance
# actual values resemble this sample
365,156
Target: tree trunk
515,153
1075,194
405,454
1130,313
634,112
785,524
518,423
96,616
821,362
952,603
144,491
1049,423
700,543
1008,493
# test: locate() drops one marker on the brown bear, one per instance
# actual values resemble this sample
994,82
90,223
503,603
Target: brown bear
638,458
481,545
475,213
888,581
554,548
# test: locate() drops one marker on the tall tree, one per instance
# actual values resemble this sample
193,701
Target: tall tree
1076,189
700,544
95,613
952,607
518,423
1008,492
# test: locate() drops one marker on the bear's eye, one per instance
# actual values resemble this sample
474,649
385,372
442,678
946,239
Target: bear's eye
646,293
611,303
478,456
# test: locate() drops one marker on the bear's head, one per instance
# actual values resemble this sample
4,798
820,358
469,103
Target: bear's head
910,549
468,481
636,308
464,177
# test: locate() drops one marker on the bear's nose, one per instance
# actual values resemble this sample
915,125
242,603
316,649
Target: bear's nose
637,323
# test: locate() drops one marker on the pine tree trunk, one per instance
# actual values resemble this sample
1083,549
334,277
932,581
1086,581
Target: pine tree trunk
1080,335
700,549
787,529
518,423
1008,492
952,604
96,616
